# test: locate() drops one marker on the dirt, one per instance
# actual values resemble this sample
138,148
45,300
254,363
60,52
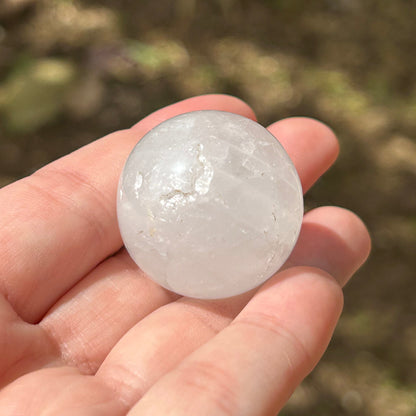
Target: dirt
349,63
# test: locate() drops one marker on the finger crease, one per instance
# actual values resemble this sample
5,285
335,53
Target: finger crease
270,323
79,360
212,381
129,385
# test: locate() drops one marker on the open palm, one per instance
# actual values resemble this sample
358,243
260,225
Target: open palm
85,332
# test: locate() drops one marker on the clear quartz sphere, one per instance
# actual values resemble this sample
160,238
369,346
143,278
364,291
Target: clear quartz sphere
209,204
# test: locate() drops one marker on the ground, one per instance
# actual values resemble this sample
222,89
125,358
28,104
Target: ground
98,66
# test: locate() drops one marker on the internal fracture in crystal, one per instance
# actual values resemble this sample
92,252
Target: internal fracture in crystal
209,204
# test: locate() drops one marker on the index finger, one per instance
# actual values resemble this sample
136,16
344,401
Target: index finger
60,222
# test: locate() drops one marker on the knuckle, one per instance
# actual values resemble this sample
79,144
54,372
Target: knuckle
209,380
288,340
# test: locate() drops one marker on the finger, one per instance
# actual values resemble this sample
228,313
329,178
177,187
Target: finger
131,371
23,347
61,222
253,366
77,312
332,230
304,140
59,391
89,320
202,102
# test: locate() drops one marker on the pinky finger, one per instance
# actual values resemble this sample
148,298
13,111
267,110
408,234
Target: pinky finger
252,367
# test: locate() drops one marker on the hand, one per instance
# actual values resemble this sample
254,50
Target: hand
85,332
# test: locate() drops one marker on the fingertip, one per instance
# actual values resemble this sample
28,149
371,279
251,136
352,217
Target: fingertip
220,102
333,239
224,102
349,225
323,282
320,132
323,130
308,278
311,144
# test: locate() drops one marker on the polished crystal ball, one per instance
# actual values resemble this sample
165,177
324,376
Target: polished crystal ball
209,204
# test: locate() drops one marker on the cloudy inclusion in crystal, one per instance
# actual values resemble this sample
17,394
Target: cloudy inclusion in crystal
209,204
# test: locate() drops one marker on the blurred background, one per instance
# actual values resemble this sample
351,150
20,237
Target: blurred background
72,71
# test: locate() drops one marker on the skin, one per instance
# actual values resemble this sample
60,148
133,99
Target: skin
83,331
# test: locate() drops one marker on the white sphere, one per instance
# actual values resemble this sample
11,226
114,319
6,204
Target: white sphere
209,204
